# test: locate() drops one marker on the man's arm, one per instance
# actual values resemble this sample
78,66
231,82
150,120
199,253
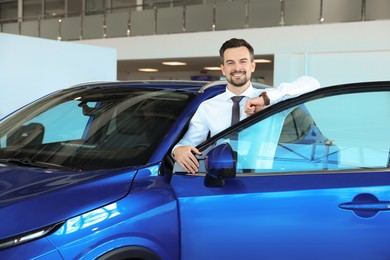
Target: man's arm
282,92
184,151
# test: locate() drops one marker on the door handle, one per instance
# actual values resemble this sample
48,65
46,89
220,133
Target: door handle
366,205
385,205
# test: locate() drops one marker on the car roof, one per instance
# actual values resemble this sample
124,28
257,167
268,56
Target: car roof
183,85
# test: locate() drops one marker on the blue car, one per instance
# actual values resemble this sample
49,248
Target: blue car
87,173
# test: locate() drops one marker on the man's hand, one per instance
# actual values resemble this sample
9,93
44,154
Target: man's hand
254,105
184,155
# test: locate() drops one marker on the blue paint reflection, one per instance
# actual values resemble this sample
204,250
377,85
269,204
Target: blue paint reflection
88,219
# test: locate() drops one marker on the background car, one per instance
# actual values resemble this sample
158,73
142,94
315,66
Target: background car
87,173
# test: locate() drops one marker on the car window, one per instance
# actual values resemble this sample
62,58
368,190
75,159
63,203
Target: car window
334,133
64,122
296,126
88,129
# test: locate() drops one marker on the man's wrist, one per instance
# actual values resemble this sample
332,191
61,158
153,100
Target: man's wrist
265,98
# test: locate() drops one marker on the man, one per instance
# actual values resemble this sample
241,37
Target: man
215,114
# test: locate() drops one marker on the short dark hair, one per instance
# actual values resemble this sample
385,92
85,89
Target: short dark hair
235,43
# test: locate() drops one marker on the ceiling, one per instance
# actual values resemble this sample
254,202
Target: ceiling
193,64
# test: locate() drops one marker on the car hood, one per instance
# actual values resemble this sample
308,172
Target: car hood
32,198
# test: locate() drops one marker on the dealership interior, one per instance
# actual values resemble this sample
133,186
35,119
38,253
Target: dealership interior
121,139
98,21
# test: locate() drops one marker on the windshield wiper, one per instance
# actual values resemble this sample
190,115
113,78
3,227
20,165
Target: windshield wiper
37,164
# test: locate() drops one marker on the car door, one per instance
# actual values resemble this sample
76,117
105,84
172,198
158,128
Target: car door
312,181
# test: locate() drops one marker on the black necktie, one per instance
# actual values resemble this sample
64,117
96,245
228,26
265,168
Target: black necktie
236,109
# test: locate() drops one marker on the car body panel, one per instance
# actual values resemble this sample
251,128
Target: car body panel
281,216
146,217
51,194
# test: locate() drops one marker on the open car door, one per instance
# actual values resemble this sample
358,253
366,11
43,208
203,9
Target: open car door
307,178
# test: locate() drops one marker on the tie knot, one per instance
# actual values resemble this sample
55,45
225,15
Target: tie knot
237,99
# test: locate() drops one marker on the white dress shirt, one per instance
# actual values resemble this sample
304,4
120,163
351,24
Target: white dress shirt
214,115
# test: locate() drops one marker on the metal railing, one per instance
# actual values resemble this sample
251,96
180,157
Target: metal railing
12,26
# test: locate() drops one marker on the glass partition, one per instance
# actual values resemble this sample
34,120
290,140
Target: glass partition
149,17
9,11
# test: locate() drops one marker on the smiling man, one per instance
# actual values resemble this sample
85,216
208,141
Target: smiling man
237,65
215,114
218,113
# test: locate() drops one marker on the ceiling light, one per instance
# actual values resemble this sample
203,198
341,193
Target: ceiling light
174,63
147,70
212,68
262,61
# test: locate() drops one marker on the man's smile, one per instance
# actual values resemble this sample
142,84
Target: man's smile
237,73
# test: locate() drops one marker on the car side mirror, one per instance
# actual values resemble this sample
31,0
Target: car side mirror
220,163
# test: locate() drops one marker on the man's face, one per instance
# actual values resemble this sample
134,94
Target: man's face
237,66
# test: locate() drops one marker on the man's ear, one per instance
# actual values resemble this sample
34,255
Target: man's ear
253,66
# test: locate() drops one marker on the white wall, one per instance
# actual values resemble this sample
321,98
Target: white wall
333,53
32,67
335,68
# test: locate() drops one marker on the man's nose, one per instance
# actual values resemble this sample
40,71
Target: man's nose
238,67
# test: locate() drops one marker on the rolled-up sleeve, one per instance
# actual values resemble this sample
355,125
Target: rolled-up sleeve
298,87
197,131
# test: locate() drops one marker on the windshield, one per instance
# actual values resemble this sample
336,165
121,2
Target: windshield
88,129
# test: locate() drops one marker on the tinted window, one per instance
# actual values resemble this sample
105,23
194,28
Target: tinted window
296,125
334,133
92,129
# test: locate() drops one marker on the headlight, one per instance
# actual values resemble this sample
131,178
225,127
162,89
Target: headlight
29,236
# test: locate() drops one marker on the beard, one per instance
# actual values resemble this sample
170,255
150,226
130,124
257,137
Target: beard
237,82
